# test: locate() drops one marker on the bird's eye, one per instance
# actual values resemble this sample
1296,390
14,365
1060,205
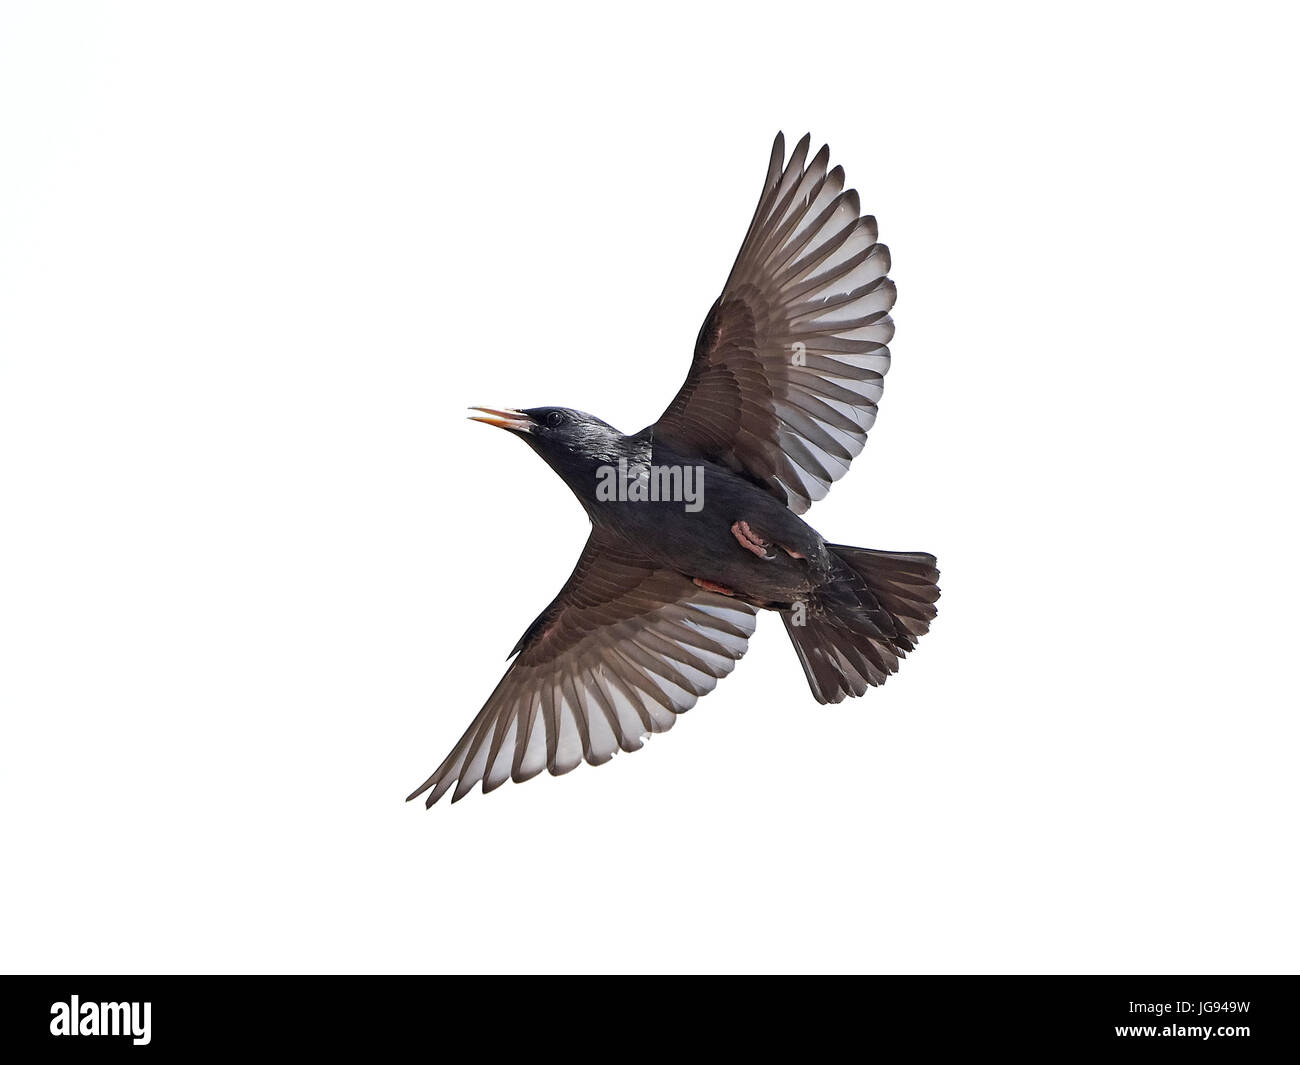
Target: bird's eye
554,420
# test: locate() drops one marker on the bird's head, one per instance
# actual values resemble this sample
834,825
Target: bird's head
573,443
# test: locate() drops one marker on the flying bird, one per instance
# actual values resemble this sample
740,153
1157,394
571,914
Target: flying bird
695,519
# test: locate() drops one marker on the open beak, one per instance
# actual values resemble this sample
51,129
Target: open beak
514,420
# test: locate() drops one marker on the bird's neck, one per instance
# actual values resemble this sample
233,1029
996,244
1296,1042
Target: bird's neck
590,473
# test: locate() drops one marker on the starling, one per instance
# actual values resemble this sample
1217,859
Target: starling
695,519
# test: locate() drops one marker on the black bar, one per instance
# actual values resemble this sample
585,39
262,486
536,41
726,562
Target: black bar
610,1015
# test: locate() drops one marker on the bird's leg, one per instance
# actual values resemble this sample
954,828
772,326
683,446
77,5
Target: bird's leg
751,541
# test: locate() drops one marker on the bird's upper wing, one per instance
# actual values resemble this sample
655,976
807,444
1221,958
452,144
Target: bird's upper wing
790,361
623,649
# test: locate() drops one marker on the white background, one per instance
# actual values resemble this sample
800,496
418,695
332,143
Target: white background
259,572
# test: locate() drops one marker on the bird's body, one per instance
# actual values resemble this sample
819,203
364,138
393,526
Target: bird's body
699,543
696,520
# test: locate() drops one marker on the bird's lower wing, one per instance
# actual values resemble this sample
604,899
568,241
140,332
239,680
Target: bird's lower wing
623,649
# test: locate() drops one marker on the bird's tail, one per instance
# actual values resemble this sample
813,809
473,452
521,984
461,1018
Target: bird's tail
852,631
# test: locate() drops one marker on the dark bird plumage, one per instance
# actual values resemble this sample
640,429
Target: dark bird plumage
788,368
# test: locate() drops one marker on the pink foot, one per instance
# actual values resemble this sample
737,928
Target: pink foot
750,540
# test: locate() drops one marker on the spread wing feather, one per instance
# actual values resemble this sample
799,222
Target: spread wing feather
623,649
790,362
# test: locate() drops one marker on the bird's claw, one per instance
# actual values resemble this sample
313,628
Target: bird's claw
751,541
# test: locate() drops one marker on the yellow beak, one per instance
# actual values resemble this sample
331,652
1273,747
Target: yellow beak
514,420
